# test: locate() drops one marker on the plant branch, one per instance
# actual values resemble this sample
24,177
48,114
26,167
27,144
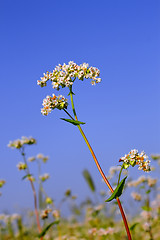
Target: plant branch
34,193
99,168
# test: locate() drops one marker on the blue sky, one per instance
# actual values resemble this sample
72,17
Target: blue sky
121,38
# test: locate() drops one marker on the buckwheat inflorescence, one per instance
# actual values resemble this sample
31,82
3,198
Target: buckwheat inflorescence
20,142
50,103
64,75
135,158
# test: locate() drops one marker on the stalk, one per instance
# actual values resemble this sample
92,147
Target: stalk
34,194
99,167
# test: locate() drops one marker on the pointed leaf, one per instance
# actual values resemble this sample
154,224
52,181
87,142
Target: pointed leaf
89,180
47,228
146,208
148,191
74,122
28,175
132,227
118,191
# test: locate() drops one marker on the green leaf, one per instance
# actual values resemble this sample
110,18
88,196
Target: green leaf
118,191
28,175
47,228
71,93
89,180
146,208
74,122
142,187
148,191
132,227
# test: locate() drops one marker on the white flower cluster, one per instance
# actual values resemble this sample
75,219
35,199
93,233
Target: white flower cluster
21,166
44,177
20,142
101,231
44,213
151,182
134,158
64,75
42,157
50,103
136,196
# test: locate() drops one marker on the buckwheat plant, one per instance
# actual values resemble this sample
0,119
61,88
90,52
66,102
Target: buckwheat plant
20,145
64,76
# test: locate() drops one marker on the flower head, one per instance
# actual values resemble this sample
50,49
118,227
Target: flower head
44,177
50,103
20,142
42,157
64,75
21,166
44,213
31,159
135,158
136,196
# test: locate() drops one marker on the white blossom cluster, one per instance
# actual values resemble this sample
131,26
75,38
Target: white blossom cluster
101,232
21,166
20,142
50,103
151,182
135,158
44,177
136,196
44,213
64,75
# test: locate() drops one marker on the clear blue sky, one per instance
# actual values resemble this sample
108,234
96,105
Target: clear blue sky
121,38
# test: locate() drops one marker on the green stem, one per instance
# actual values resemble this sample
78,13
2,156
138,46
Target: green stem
99,167
68,113
119,177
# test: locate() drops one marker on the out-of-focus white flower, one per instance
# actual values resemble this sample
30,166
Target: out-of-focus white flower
134,158
146,226
92,231
44,177
136,196
151,181
145,214
44,213
31,159
42,157
104,232
15,216
20,142
114,169
56,214
31,178
21,166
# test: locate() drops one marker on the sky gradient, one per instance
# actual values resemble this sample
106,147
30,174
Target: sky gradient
121,38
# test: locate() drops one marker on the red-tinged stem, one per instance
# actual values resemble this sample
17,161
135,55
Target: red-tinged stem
34,195
99,167
35,207
107,182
